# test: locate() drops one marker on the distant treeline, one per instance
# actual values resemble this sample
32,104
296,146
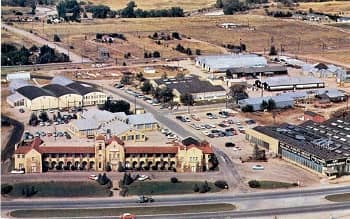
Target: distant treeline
130,12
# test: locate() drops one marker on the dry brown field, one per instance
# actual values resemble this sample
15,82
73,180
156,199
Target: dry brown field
333,7
156,4
296,37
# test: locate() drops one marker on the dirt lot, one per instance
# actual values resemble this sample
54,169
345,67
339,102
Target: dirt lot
290,33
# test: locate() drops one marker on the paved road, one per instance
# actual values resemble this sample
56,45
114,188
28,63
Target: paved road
312,198
75,58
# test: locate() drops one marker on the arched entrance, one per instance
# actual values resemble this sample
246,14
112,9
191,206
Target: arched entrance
134,164
83,165
91,165
60,165
53,165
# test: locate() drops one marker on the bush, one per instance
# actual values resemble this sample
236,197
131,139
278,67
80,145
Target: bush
6,189
221,184
124,191
204,187
254,184
195,188
174,180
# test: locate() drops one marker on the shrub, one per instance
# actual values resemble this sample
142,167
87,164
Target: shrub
221,184
195,188
124,191
254,184
6,189
56,38
204,187
120,167
174,180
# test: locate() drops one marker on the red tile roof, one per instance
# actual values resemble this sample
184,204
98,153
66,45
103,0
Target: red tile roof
28,146
100,137
23,149
151,150
67,149
206,149
115,138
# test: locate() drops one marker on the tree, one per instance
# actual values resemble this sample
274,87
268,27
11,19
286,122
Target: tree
198,52
174,180
256,152
176,35
146,87
120,167
204,187
127,179
34,48
43,116
187,99
271,104
68,6
156,54
254,184
219,4
33,119
125,80
6,189
140,77
56,38
264,105
33,7
238,92
273,51
248,108
166,94
129,11
116,106
195,188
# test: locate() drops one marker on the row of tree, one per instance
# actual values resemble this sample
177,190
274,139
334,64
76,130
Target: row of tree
11,55
130,12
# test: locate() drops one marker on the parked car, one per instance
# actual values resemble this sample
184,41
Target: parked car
258,167
195,117
230,144
21,110
205,133
164,131
145,199
17,172
93,177
172,136
210,116
119,86
250,122
143,178
127,216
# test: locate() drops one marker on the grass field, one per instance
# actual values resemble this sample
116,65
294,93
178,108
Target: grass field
162,188
104,212
158,4
265,184
61,189
339,197
9,37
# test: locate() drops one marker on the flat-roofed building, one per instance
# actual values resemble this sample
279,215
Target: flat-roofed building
319,147
290,83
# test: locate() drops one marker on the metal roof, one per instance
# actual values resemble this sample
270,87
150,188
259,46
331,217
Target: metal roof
61,80
231,61
32,92
288,80
85,124
58,90
259,100
145,118
17,83
81,89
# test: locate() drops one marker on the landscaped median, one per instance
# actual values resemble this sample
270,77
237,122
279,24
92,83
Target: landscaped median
56,189
266,184
339,197
103,212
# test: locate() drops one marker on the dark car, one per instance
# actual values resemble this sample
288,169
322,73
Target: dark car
250,122
229,144
145,199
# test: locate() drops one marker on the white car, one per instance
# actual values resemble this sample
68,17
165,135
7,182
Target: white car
142,178
258,167
93,177
206,133
149,101
164,131
172,136
17,172
212,125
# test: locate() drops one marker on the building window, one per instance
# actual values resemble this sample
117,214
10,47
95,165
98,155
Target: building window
33,158
99,165
20,166
137,137
130,137
18,156
100,147
22,155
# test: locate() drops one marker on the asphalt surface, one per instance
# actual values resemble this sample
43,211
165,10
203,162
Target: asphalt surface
200,199
74,58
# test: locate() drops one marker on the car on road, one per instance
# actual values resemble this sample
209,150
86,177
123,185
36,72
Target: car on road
210,116
258,167
145,199
127,216
172,136
119,86
143,178
230,144
17,172
250,122
164,130
93,177
206,133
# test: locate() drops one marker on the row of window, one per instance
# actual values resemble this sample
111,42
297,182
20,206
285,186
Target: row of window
301,160
95,97
149,155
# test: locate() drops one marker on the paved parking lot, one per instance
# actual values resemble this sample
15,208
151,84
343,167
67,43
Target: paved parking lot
275,169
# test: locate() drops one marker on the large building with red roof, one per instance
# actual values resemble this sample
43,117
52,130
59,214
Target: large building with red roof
111,154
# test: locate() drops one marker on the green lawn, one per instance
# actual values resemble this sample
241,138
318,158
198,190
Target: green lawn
162,188
102,212
60,189
265,184
339,197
